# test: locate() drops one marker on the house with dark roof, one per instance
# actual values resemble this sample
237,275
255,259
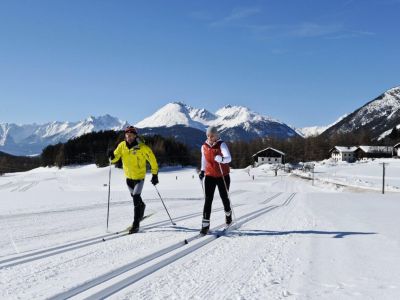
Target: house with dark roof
341,153
269,156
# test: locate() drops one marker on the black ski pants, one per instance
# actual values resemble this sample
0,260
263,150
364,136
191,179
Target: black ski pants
210,183
135,187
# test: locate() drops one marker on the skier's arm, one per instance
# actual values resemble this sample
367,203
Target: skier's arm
150,157
203,160
117,154
226,155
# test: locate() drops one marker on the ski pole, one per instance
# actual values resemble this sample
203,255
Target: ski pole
173,223
227,191
109,192
202,185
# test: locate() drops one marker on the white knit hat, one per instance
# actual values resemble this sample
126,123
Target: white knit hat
212,130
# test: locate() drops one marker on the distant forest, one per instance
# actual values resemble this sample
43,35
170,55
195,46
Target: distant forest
92,148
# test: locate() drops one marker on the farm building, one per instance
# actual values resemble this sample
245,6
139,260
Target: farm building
339,153
269,156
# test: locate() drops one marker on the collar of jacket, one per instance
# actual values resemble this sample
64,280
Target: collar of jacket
134,145
216,142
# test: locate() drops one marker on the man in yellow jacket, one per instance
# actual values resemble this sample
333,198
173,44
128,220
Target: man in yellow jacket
134,155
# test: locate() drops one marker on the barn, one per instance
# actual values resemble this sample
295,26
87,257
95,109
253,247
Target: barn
365,152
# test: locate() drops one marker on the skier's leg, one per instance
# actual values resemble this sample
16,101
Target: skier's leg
137,191
136,218
135,188
225,197
209,186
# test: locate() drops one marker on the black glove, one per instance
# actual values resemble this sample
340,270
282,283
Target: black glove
201,175
154,179
111,154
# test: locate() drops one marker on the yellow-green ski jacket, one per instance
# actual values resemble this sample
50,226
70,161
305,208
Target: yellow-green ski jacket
134,160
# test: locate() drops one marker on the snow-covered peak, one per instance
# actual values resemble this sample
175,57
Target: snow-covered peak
104,122
73,129
376,117
238,120
231,116
89,119
4,128
317,130
390,98
17,139
171,114
232,111
393,91
386,106
202,115
311,131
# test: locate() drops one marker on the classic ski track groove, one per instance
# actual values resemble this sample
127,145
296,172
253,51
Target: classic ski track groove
271,198
21,259
112,289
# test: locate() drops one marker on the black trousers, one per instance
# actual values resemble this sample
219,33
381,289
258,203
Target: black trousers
210,183
135,188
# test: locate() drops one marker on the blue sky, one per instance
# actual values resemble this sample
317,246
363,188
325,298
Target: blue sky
303,62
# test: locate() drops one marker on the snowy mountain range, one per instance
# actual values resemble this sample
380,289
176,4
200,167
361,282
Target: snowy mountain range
234,122
378,117
316,130
188,124
175,119
311,131
31,139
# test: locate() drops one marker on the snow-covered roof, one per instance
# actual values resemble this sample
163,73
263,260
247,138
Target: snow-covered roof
269,148
344,149
376,149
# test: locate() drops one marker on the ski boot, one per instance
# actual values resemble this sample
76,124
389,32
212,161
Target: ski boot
134,228
205,227
204,230
142,209
136,219
228,218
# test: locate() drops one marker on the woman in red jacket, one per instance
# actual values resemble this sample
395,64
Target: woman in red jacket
215,159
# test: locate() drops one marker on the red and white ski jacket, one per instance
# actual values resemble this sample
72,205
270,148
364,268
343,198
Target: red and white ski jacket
208,163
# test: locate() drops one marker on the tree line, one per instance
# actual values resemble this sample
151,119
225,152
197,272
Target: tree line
10,163
93,148
300,149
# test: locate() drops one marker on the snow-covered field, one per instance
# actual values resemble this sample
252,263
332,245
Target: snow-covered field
292,241
366,175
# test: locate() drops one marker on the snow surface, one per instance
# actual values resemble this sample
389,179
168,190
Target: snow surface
361,175
299,241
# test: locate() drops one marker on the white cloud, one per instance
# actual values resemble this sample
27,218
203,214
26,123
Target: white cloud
314,30
236,15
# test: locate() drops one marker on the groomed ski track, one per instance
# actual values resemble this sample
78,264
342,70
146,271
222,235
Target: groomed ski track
110,283
44,253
